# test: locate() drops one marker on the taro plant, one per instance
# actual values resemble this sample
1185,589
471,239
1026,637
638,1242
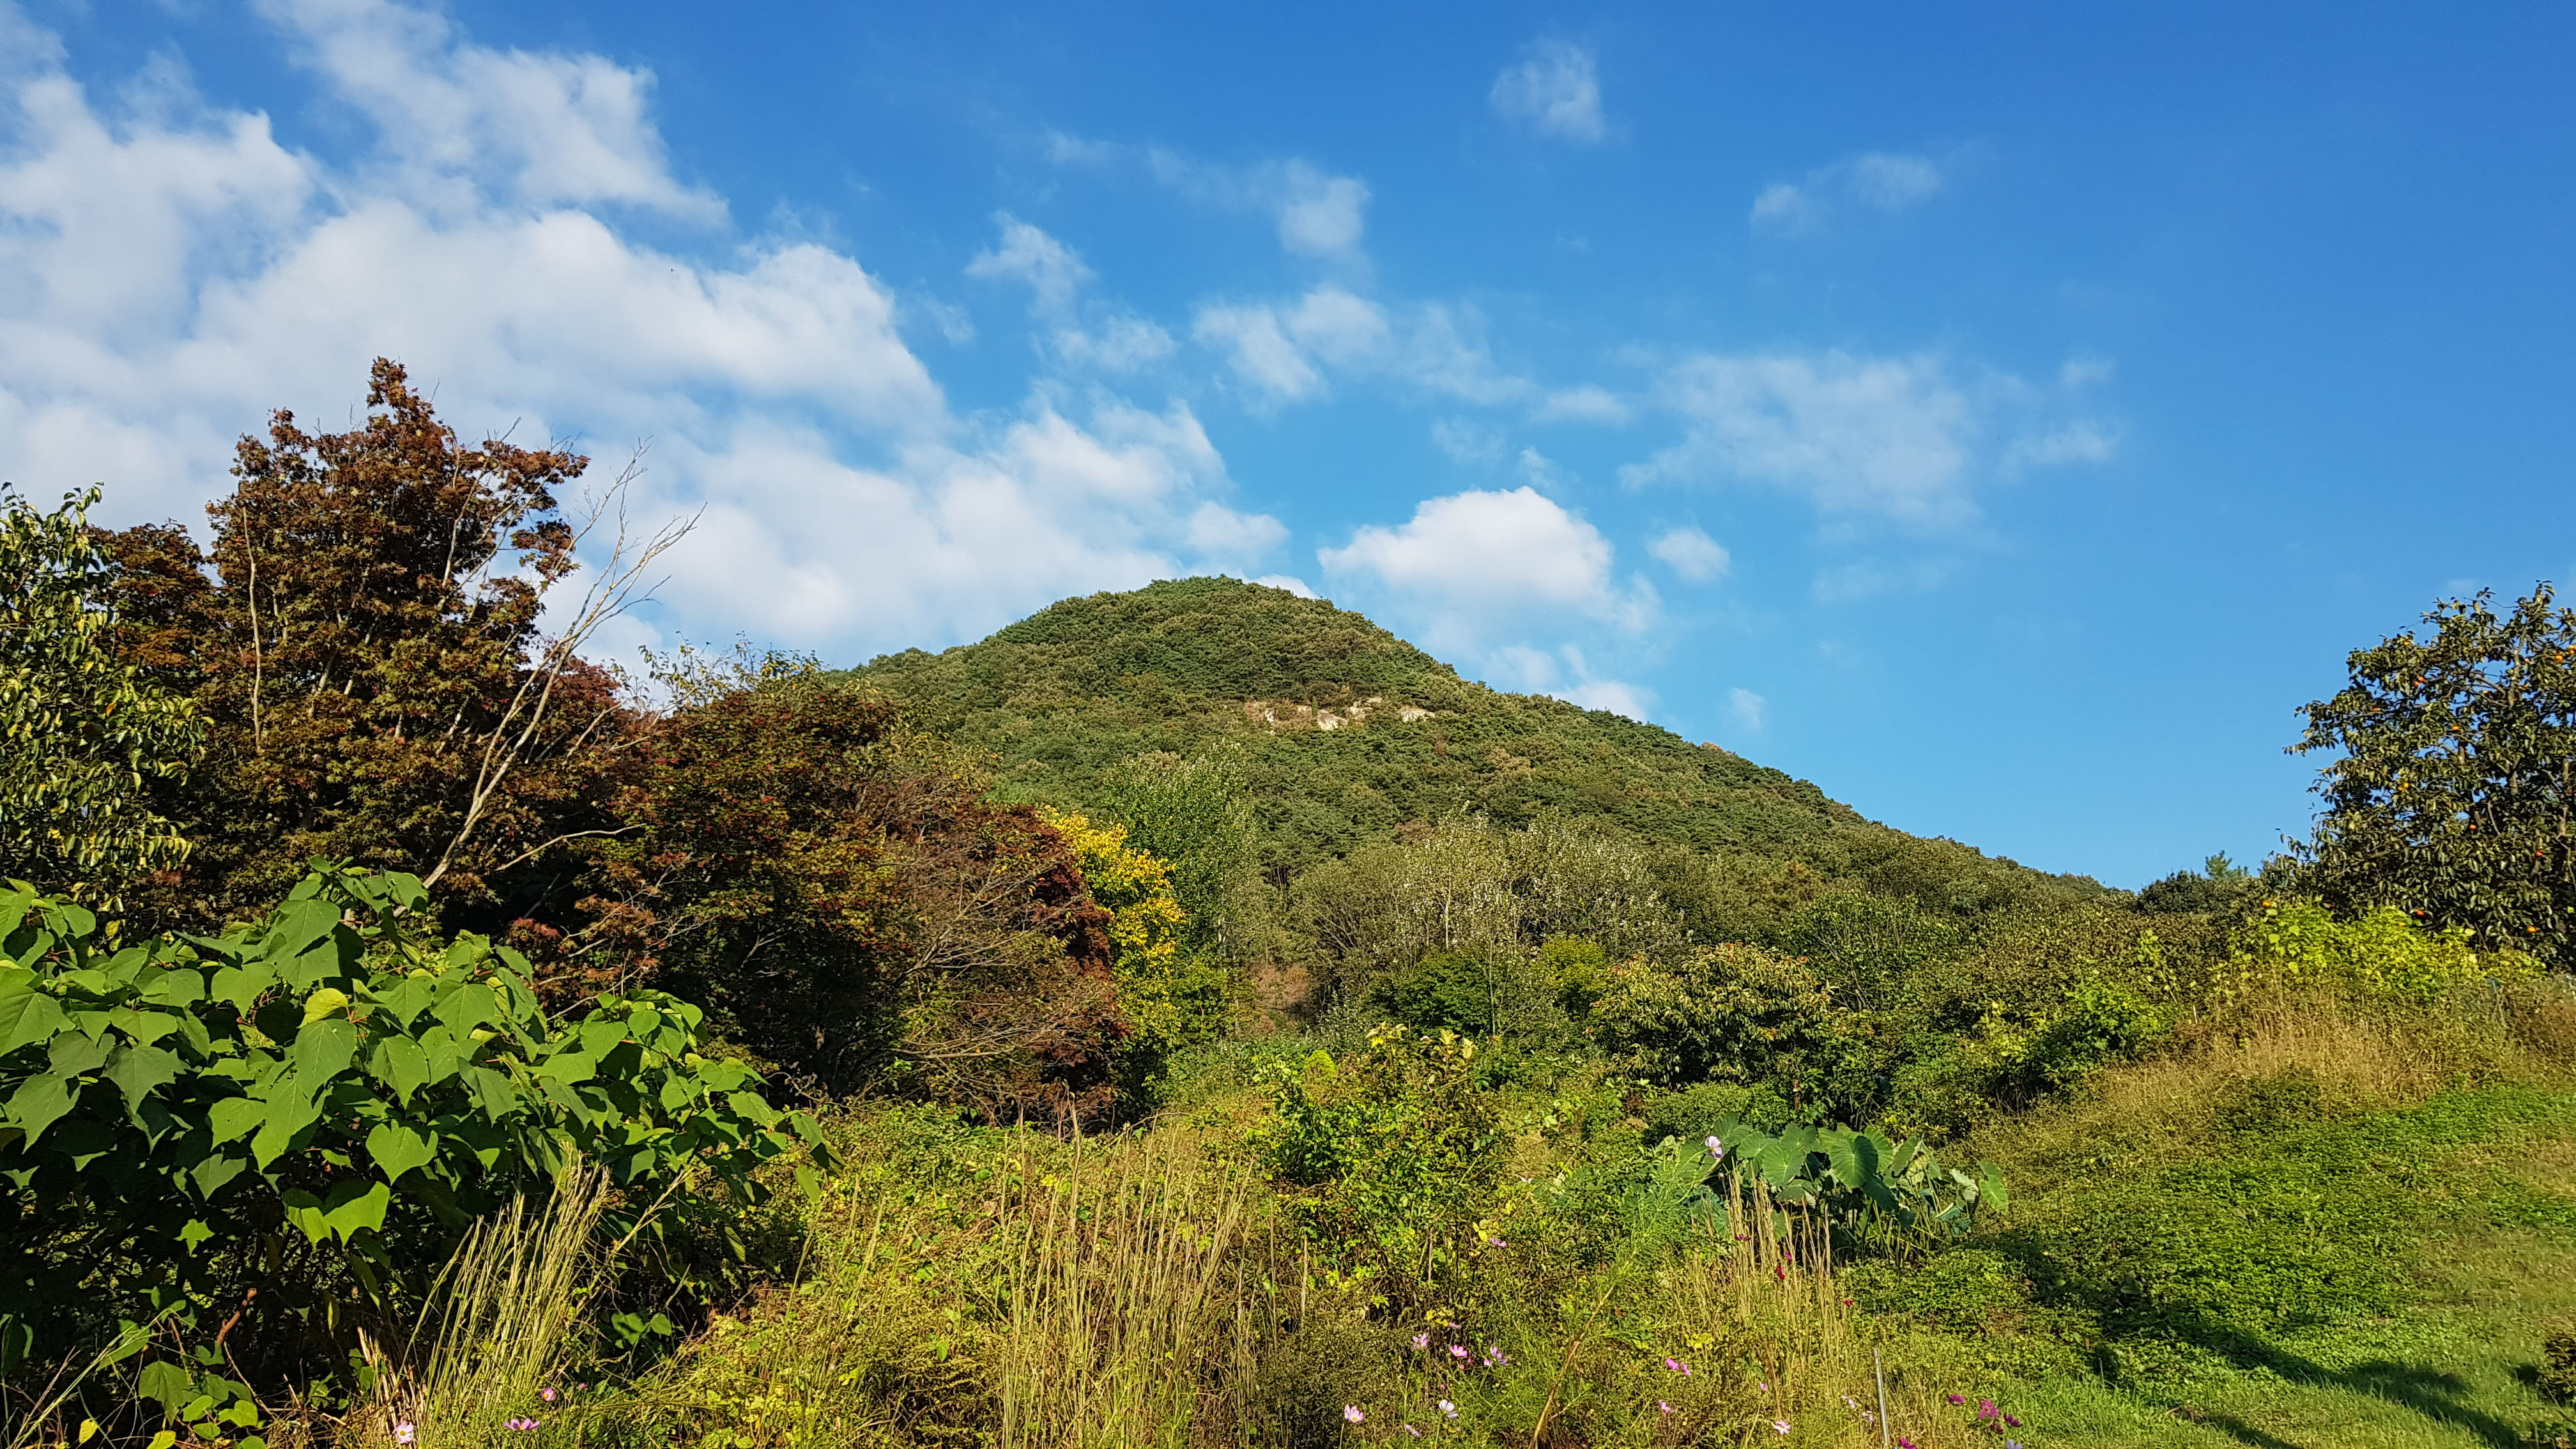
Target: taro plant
1868,1187
269,1141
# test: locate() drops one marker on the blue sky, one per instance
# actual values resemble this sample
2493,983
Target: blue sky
2004,418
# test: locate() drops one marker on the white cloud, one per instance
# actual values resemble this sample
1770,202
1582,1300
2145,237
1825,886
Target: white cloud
1283,349
1857,435
1748,708
1482,562
1583,404
2085,440
1049,268
1466,441
1556,92
1886,181
1120,343
1900,438
1317,213
169,272
1563,673
1692,554
1290,582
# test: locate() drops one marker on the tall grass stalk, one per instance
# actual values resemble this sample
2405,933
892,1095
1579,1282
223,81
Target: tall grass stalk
515,1292
1121,1306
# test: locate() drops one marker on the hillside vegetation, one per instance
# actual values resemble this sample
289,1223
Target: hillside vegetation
1191,1018
1345,733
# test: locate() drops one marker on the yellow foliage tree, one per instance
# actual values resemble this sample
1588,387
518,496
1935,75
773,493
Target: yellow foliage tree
1170,996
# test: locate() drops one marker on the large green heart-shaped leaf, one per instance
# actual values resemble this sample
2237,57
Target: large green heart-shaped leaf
298,927
399,1063
398,1149
37,1104
28,1016
351,1208
138,1071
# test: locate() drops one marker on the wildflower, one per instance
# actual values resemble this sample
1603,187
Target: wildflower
1497,1242
1675,1365
1496,1356
1954,1398
547,1393
1660,1404
1422,1340
1352,1413
1416,1433
522,1425
1448,1410
1850,1403
1716,1148
1780,1424
1986,1409
403,1432
1904,1443
2012,1444
2011,1423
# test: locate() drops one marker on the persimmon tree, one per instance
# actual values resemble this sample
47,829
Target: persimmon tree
362,636
2453,793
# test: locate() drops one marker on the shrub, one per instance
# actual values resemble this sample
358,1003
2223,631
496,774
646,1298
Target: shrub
2558,1361
2381,953
1732,1013
1386,1162
1170,994
292,1124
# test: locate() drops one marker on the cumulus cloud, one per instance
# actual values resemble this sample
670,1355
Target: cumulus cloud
1901,438
169,271
1047,266
1317,213
1883,181
1565,674
1284,350
1582,404
1111,340
1479,564
1692,554
1748,708
1556,92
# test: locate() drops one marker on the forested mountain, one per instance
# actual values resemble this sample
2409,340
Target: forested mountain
1345,733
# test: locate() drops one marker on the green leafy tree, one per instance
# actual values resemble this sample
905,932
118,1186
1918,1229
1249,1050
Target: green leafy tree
1196,814
82,731
2454,796
287,1129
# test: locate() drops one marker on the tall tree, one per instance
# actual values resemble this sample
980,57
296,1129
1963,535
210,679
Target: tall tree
83,733
2454,796
362,637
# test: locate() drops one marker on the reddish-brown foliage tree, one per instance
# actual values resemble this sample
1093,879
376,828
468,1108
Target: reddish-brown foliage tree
362,641
846,898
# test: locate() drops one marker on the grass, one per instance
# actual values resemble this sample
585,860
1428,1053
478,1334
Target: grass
2322,1231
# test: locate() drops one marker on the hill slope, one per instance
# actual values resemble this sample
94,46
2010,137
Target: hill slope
1344,730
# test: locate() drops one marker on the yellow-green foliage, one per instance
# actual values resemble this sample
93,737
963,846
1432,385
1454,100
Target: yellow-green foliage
1171,997
2381,952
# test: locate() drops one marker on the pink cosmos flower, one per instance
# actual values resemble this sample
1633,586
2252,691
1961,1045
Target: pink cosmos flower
403,1432
1448,1410
1352,1413
1422,1340
547,1394
1660,1404
1458,1350
1780,1424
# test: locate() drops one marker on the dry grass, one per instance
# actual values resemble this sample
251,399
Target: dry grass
516,1293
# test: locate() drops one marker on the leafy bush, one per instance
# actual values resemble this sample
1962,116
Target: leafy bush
1387,1161
2381,952
288,1127
1170,993
1729,1013
82,733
